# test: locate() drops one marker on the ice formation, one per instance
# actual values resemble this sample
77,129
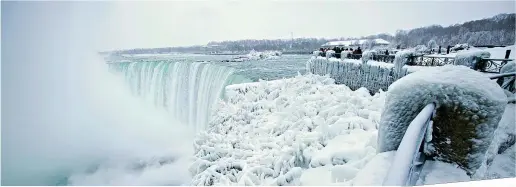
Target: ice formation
401,59
505,137
510,67
469,107
368,55
470,58
372,75
330,53
288,132
254,55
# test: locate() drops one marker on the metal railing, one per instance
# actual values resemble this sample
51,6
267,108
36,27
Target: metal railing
409,158
497,76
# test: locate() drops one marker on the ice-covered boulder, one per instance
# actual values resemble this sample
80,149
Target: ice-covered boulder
368,55
468,109
471,58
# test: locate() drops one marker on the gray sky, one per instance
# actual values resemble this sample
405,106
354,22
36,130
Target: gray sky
130,24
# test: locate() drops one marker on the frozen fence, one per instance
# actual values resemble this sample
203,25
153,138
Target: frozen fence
409,159
355,74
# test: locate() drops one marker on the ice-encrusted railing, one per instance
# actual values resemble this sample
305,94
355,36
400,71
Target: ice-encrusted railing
506,83
410,158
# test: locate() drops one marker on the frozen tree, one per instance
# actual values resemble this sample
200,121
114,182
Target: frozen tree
368,44
432,44
468,108
421,49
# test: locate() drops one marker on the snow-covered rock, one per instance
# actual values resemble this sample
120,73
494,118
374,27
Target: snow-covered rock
469,107
281,132
470,58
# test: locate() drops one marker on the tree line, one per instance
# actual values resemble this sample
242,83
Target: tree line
497,30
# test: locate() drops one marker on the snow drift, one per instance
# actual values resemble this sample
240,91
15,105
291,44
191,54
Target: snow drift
469,107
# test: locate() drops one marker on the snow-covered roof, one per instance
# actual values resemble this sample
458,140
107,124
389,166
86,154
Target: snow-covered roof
353,42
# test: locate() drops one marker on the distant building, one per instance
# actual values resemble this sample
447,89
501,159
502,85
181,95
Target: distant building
355,43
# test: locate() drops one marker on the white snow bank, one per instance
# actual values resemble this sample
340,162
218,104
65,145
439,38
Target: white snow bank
504,165
499,52
469,107
470,58
505,134
279,133
437,172
374,173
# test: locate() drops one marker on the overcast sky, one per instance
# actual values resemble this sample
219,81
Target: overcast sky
125,24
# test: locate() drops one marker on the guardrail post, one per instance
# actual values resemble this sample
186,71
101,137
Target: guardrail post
439,52
507,54
448,50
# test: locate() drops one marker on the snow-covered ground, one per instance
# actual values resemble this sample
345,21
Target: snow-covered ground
301,131
308,131
497,52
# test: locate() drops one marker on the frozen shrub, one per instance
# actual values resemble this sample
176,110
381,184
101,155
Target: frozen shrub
471,58
468,109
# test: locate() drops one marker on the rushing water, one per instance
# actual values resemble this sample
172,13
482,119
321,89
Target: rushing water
187,90
188,85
